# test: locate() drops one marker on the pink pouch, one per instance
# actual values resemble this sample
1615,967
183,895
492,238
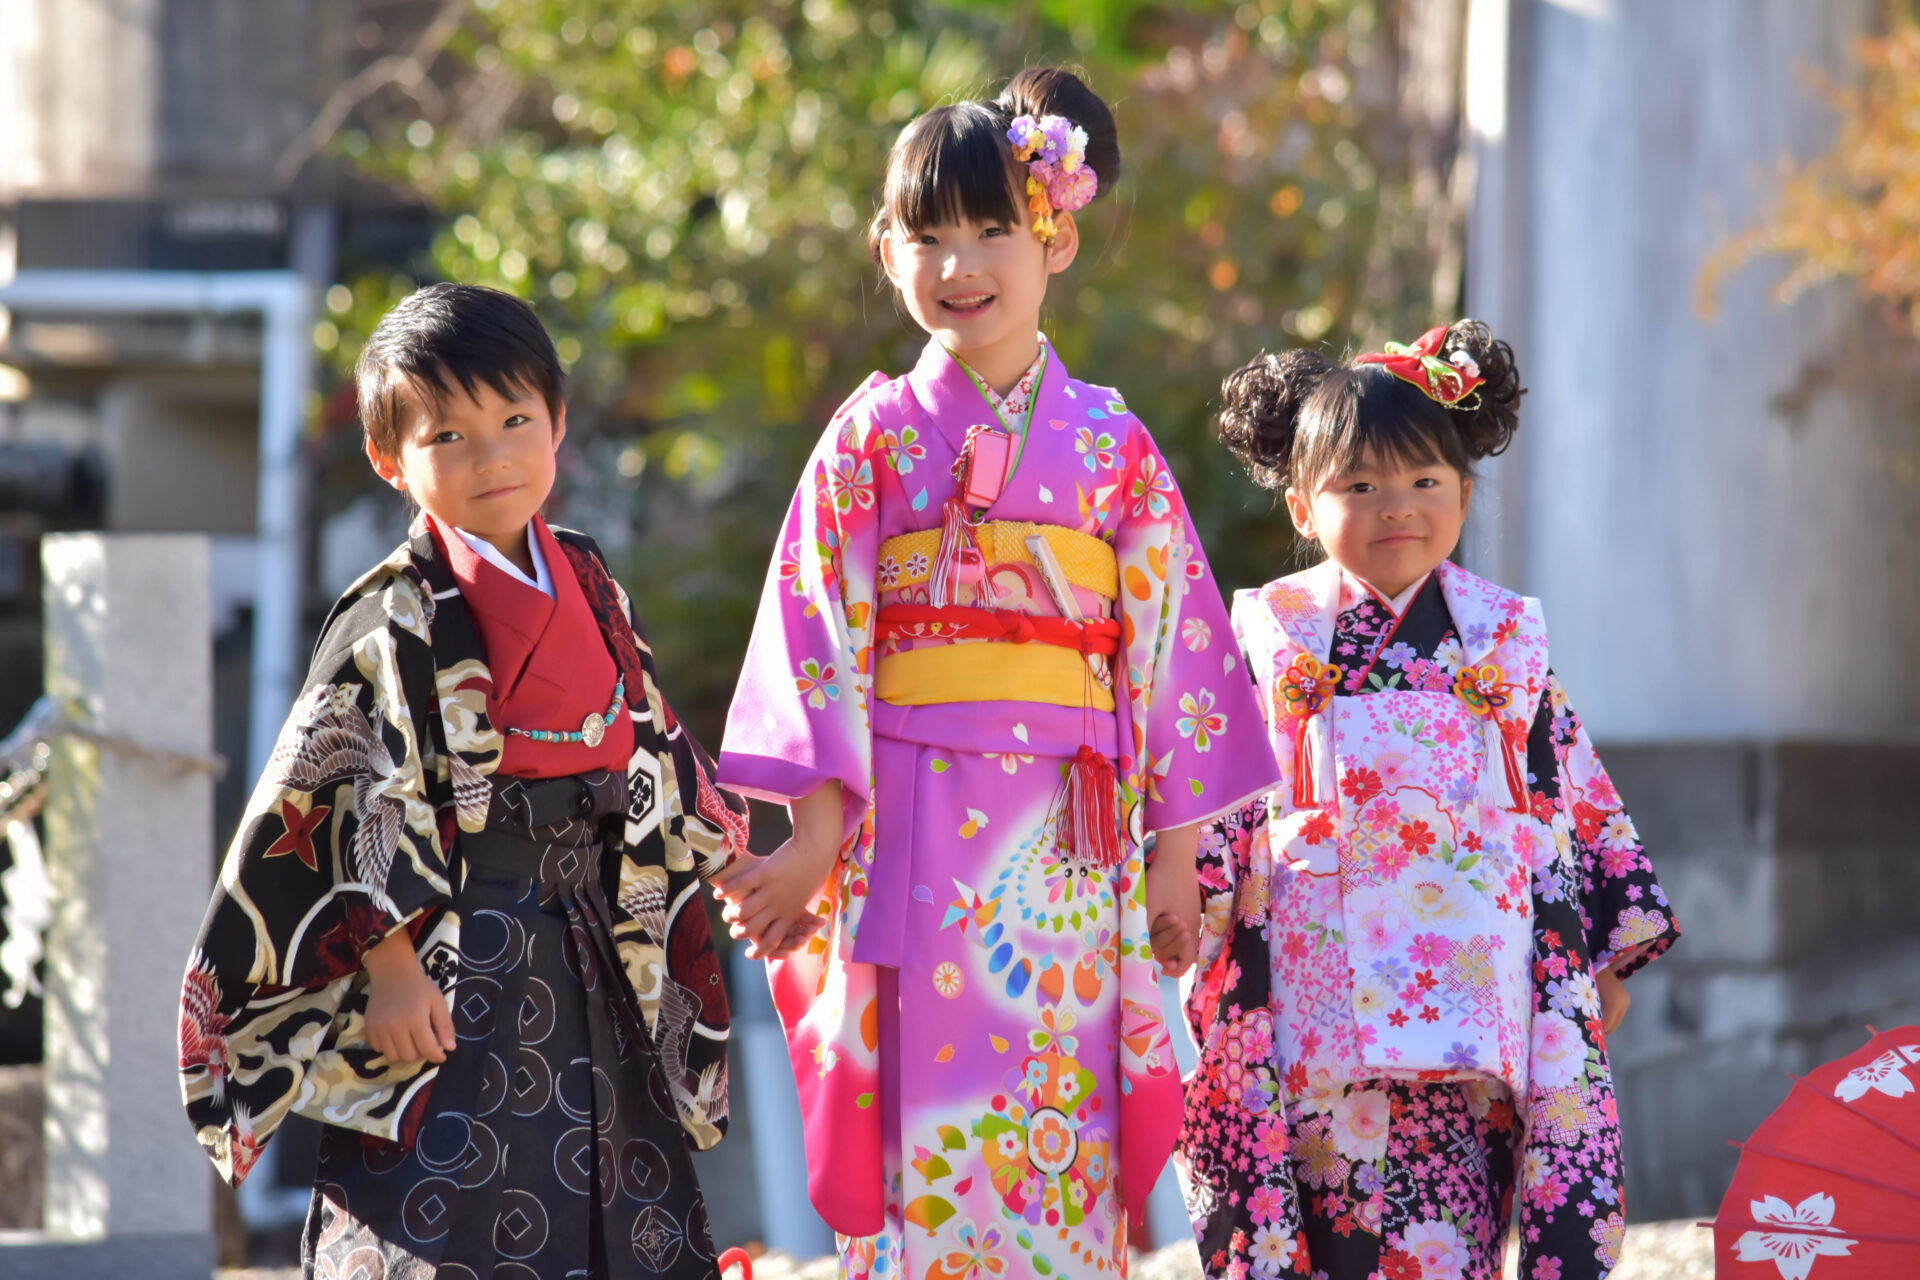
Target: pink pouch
987,470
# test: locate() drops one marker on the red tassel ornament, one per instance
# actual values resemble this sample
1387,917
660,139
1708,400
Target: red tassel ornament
1091,829
1306,691
1487,695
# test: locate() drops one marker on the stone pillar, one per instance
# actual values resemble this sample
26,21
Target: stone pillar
129,847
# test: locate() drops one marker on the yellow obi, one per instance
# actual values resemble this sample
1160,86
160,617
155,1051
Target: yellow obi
1087,561
996,671
989,671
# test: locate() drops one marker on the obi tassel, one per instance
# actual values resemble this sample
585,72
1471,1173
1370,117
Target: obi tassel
1305,694
958,562
1313,782
1503,781
1092,827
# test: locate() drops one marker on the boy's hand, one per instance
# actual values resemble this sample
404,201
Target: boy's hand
1613,1000
767,899
407,1016
1173,901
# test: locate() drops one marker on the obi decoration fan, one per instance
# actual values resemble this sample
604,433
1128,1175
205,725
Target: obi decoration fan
1828,1187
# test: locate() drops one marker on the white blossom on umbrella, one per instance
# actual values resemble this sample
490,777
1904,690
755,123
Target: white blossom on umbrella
1793,1252
1884,1073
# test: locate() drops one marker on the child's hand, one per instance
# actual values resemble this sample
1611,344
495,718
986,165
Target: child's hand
407,1017
1173,901
767,899
1613,1000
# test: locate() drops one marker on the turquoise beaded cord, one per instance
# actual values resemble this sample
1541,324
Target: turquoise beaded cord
592,730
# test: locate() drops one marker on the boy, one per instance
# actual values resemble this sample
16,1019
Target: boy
461,917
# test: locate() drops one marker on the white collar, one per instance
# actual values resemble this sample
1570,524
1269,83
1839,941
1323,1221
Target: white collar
541,581
1397,605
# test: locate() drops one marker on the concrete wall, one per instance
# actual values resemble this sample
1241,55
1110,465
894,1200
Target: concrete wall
1712,511
116,97
1723,520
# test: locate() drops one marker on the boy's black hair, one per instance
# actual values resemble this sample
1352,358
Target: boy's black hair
449,335
954,163
1295,418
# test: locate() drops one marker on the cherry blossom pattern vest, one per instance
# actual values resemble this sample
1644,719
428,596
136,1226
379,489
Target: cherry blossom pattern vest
1399,846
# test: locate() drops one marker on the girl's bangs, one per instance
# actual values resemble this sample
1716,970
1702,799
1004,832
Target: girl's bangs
953,165
1358,411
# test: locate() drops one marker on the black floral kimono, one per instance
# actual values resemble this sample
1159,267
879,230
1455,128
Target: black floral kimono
1296,1169
561,917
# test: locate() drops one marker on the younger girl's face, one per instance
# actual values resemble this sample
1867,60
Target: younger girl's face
1386,523
977,286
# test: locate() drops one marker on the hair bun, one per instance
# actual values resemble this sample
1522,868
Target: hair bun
1056,91
1487,428
1260,410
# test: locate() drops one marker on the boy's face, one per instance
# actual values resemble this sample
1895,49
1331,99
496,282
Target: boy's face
483,463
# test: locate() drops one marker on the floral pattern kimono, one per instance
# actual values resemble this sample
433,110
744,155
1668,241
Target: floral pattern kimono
986,1083
355,827
1395,1004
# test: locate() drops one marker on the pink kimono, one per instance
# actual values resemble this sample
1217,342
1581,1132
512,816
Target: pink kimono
980,1027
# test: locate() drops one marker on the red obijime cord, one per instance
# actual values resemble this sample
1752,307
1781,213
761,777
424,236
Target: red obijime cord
1090,829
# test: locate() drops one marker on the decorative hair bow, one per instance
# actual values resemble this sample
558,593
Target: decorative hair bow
1446,381
1054,149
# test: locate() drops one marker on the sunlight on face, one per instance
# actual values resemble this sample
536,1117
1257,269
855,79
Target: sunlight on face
977,287
1387,524
483,463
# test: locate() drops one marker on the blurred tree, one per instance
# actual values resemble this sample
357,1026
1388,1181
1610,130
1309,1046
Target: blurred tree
682,190
1854,211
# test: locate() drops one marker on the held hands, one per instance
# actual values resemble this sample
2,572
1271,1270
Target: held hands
1613,1000
767,899
1173,901
407,1017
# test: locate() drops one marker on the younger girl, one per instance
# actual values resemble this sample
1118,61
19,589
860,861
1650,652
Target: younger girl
990,659
1414,947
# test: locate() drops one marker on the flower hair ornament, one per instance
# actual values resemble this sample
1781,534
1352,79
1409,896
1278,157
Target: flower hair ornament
1059,179
1447,381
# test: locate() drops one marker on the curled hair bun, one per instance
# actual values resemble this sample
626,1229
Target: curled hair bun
1056,91
1487,428
1260,411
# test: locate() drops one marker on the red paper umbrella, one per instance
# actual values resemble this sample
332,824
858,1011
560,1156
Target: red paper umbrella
1828,1187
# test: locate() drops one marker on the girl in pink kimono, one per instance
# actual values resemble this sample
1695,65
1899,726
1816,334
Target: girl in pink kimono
989,665
1414,948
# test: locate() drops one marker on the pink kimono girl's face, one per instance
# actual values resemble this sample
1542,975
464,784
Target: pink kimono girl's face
1387,523
483,463
977,286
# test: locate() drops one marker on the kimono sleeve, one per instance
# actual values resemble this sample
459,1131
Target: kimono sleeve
1197,734
339,846
1623,910
799,717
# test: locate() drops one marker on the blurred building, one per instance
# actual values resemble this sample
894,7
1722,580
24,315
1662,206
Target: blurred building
169,136
166,136
1722,517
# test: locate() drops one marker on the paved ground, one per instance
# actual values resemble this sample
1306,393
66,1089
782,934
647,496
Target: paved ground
1655,1251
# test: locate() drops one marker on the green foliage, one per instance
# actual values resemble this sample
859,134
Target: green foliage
682,189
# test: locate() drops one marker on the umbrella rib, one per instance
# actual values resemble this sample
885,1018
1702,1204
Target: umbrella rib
1850,1109
1815,1233
1777,1154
